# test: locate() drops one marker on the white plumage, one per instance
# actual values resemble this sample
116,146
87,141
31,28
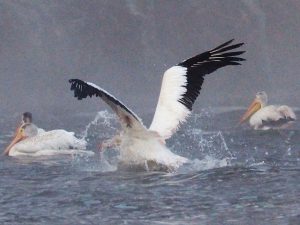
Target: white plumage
264,117
28,142
170,112
181,86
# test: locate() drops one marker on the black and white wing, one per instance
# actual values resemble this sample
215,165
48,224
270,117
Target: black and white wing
182,83
127,118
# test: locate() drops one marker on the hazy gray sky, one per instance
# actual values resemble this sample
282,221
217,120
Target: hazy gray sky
125,46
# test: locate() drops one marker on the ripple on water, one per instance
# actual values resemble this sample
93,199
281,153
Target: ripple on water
229,180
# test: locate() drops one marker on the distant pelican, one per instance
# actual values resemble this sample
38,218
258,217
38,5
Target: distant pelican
265,117
32,141
181,86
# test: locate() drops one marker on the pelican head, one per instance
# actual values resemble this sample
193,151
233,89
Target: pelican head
27,117
260,101
19,136
24,131
262,97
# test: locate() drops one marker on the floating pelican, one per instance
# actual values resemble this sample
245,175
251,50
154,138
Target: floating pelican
181,85
32,141
265,117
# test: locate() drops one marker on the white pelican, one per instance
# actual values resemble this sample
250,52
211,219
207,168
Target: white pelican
32,141
265,117
181,85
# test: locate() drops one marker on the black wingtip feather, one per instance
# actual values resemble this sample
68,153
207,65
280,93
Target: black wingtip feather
206,63
223,45
233,53
80,88
227,48
83,89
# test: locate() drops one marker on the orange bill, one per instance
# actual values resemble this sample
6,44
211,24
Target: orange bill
254,107
19,136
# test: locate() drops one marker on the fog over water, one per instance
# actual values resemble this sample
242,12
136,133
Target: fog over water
125,46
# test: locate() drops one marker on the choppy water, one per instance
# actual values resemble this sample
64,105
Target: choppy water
236,176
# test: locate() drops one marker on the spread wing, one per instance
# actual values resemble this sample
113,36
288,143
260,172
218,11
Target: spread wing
127,118
182,83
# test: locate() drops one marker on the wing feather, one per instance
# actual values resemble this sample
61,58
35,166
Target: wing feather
127,118
182,83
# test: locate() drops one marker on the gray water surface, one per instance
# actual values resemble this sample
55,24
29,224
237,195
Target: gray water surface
235,176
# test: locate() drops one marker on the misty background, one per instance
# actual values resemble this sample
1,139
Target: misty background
125,47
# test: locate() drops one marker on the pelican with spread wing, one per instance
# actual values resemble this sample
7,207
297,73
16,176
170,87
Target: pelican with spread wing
264,117
181,86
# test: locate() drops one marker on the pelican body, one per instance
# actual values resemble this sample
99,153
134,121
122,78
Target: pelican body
32,141
264,117
145,147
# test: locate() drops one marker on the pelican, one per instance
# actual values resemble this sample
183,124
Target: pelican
181,85
32,141
265,117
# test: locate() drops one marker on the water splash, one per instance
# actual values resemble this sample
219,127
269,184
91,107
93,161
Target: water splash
206,150
207,163
96,164
98,129
201,144
103,119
